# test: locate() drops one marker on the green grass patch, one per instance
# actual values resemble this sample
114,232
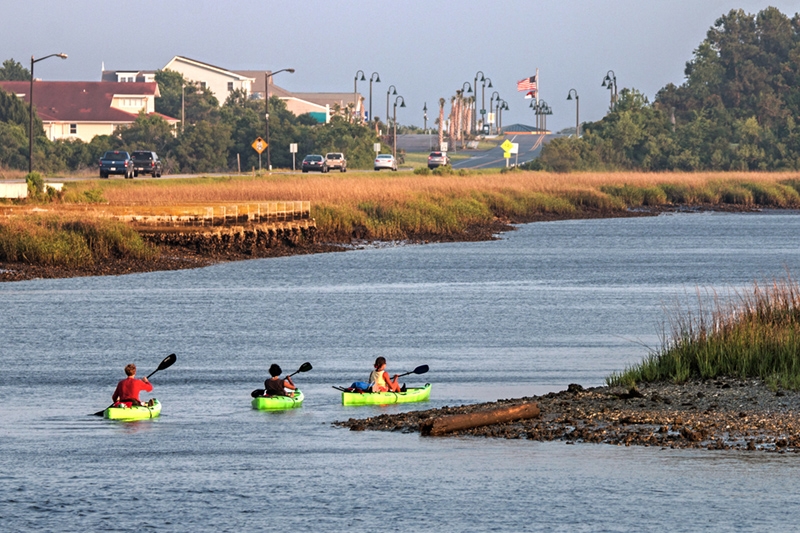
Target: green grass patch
753,334
52,241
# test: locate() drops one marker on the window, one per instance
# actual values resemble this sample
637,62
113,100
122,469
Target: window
202,85
73,129
131,102
230,86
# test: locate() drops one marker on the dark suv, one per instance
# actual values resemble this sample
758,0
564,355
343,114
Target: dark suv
146,163
116,162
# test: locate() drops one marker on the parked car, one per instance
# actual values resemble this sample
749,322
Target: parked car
314,162
336,160
385,161
116,162
146,163
438,159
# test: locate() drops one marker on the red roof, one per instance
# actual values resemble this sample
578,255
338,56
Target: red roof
80,101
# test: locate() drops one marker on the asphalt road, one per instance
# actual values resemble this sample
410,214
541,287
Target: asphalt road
530,146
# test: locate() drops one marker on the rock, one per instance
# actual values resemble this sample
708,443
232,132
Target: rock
574,388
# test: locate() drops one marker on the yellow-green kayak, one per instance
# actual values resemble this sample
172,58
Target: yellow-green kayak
278,403
420,394
139,412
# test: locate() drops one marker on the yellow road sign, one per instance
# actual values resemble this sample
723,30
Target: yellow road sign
507,155
507,145
259,145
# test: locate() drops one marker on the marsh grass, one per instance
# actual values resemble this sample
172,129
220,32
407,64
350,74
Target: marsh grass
55,241
751,334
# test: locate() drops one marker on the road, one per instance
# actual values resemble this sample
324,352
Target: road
530,146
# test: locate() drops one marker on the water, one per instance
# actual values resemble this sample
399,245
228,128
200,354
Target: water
550,304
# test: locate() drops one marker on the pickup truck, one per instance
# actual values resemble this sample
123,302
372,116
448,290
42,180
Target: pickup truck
146,163
336,160
116,162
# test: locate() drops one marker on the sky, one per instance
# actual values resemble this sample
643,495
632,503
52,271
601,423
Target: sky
427,49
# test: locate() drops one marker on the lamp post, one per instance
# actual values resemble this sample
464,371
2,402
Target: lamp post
376,80
494,95
474,125
502,106
267,76
394,123
610,81
425,122
30,111
544,110
392,91
483,99
577,111
355,90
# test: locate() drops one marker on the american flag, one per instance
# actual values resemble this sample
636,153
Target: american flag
527,84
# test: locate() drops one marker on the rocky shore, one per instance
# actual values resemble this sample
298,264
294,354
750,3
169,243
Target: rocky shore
717,414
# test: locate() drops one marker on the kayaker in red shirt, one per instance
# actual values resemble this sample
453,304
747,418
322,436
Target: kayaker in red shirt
127,391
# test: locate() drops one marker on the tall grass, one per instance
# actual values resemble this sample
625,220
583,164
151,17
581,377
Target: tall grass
53,241
752,334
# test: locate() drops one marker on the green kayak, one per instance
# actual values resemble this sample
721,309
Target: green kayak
278,403
140,412
420,394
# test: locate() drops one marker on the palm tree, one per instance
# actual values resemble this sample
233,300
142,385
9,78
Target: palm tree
442,101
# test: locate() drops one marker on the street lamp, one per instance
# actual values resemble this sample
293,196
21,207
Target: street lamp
355,90
267,76
543,110
394,122
393,91
502,106
610,81
483,99
474,125
425,122
494,95
577,111
30,113
376,80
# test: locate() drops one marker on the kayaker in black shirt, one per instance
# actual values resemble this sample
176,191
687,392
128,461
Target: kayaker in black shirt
275,386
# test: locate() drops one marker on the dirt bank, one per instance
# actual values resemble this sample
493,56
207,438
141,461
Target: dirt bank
714,414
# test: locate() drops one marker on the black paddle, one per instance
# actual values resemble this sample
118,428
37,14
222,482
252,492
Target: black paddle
165,364
419,370
305,367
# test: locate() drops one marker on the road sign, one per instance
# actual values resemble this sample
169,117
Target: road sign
507,146
376,147
293,148
444,146
507,155
514,148
259,145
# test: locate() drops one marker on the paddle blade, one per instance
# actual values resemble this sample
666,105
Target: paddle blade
305,367
420,369
166,363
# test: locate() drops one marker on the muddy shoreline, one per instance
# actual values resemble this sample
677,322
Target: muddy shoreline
719,414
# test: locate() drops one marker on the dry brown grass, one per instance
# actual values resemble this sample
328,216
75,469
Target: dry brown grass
354,188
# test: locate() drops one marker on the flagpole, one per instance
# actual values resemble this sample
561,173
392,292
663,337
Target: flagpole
538,84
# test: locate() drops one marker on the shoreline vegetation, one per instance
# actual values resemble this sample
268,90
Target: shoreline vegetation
62,235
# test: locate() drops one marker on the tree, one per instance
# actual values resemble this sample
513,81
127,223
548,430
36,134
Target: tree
14,71
148,133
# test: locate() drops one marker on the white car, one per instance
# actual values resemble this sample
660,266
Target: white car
385,161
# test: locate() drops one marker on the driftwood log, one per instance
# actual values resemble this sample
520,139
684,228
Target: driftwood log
448,424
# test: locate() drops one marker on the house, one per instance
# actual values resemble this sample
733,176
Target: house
84,109
221,82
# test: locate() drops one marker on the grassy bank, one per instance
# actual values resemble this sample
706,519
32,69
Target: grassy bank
753,334
403,205
68,242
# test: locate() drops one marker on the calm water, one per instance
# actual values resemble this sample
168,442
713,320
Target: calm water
550,304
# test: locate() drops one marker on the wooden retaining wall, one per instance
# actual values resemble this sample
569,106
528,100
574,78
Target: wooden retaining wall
210,216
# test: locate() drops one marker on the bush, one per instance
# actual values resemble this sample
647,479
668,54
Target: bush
422,171
35,183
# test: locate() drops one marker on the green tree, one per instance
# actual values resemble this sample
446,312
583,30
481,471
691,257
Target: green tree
14,71
148,133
